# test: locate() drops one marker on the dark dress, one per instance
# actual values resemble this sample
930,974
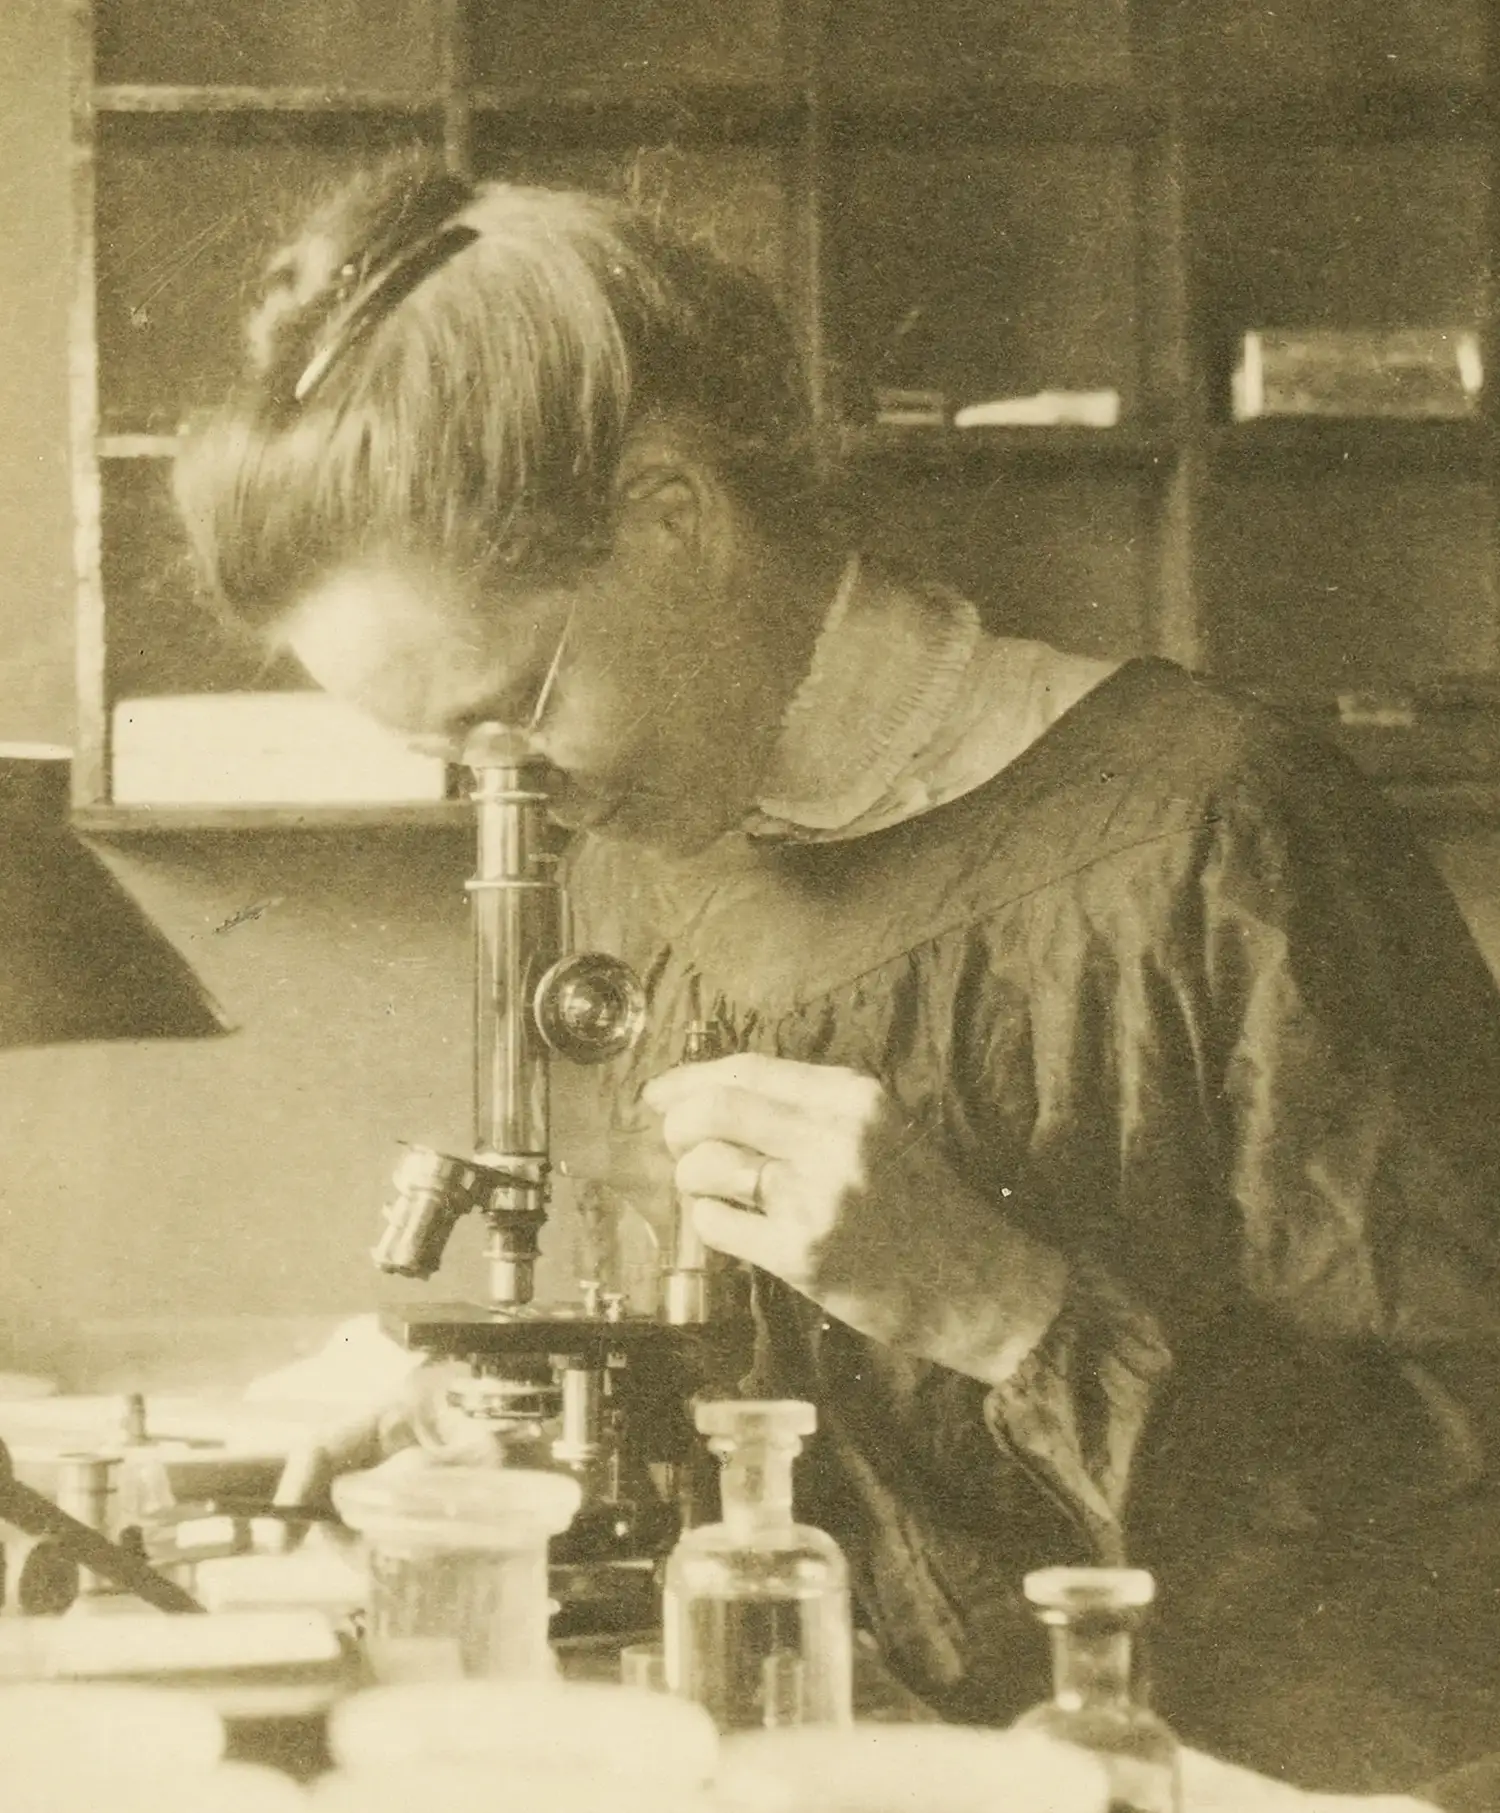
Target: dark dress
1181,994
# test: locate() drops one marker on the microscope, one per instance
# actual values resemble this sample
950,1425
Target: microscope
593,1386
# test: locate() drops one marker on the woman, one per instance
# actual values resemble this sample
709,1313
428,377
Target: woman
1112,1122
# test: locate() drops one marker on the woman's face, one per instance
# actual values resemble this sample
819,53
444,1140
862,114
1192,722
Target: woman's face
660,717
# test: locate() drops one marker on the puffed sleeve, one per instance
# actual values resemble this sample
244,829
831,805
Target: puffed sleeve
1290,1088
1360,1039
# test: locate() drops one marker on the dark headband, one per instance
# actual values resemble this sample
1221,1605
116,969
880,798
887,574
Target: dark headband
374,300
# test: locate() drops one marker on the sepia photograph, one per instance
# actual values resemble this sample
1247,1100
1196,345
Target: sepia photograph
749,906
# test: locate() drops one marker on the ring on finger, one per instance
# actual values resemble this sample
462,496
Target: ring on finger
757,1189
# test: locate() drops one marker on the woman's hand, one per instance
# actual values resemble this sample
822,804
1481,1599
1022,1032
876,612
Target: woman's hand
813,1173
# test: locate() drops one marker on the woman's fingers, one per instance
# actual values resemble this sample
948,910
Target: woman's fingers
814,1089
719,1168
723,1113
742,1236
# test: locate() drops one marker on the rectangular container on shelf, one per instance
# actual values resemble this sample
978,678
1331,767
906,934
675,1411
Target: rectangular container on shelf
896,408
1419,373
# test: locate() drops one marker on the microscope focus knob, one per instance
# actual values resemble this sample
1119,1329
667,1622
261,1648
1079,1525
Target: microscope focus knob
590,1007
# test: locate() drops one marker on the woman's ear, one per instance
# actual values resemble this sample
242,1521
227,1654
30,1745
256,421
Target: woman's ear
664,503
668,502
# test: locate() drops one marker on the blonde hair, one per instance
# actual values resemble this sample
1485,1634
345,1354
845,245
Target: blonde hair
477,416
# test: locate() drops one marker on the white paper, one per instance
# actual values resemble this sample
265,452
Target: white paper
263,749
1047,409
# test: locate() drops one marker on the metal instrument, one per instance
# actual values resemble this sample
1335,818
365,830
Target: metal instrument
83,1544
601,1387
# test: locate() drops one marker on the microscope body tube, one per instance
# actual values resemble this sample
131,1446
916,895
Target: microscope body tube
533,1001
536,1001
519,934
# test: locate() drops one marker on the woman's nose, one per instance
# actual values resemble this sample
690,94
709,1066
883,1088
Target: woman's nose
439,743
477,742
491,744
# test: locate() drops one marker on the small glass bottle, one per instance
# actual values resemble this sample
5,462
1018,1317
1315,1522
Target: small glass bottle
756,1622
1093,1614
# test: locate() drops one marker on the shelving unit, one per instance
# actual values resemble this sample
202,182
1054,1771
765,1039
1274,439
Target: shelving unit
984,198
445,815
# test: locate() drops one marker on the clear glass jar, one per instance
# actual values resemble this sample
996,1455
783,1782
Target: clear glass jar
457,1566
1093,1614
756,1621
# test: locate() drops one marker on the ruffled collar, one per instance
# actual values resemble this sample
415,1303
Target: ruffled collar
907,704
886,671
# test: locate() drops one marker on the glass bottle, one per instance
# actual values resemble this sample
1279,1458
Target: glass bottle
457,1566
756,1622
1093,1614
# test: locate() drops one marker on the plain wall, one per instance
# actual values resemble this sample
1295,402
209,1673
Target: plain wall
36,646
243,1176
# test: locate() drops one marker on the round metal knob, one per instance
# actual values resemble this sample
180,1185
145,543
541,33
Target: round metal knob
590,1007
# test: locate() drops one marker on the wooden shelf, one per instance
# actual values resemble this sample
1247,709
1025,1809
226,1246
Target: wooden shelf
157,821
945,194
150,97
1265,447
1011,113
1438,802
929,448
1415,111
1008,112
726,112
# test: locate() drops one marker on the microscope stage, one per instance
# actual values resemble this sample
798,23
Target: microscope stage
471,1331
